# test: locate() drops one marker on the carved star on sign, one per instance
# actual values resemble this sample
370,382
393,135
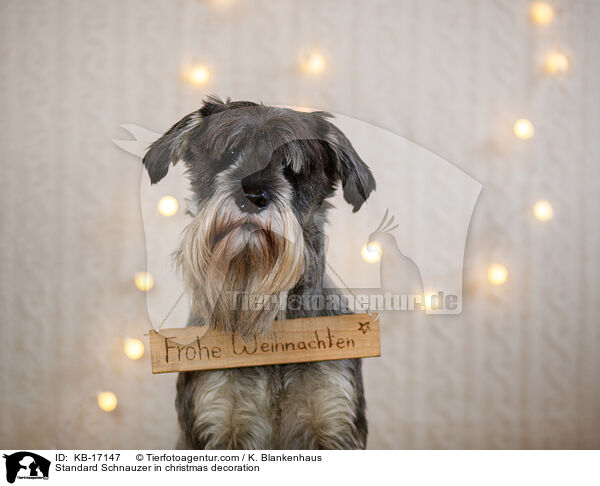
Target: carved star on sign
364,327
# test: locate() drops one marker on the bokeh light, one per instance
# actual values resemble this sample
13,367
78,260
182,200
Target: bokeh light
107,401
144,281
197,75
542,13
134,348
314,63
371,252
543,210
168,206
497,274
556,62
523,129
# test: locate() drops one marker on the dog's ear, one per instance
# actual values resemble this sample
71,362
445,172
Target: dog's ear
356,177
168,149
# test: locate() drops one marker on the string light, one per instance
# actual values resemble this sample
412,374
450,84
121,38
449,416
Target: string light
556,62
144,281
497,274
134,348
107,401
168,206
543,211
523,129
371,252
197,75
314,63
542,13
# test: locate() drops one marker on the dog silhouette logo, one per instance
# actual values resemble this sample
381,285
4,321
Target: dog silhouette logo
27,465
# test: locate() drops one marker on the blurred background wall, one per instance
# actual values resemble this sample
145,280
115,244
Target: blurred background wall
519,368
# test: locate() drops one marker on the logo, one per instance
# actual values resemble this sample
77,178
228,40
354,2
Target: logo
26,465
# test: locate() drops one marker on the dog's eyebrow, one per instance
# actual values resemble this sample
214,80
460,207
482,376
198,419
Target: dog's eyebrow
234,144
297,153
222,135
291,134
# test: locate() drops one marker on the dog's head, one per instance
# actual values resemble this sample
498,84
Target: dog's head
260,176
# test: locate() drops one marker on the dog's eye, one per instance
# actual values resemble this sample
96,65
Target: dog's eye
228,157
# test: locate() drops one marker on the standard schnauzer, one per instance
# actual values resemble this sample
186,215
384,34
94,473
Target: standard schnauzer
261,177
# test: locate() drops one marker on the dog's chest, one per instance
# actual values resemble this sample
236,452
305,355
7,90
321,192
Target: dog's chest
285,406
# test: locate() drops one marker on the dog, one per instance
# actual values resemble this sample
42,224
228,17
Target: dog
260,177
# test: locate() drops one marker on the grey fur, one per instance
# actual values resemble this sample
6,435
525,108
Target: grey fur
297,159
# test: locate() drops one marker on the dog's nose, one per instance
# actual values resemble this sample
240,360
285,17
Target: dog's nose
253,200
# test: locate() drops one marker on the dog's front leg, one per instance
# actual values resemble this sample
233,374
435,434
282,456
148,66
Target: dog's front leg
225,409
322,406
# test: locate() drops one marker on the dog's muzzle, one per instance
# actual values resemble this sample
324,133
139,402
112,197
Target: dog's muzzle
247,243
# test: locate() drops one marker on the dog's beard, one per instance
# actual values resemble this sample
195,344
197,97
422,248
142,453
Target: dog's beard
227,257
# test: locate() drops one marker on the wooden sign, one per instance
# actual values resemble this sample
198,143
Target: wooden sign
292,341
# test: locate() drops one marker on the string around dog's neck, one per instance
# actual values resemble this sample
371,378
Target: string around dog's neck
339,277
162,323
